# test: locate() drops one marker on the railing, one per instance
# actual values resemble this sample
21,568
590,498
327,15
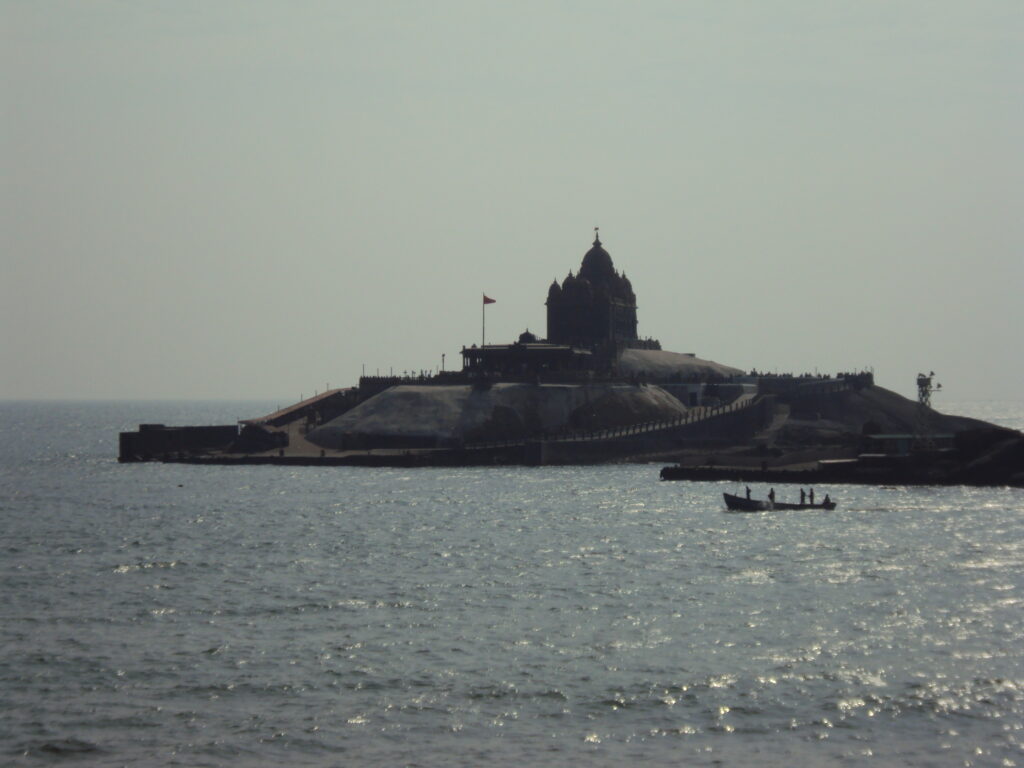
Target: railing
690,417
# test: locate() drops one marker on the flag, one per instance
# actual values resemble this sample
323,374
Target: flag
488,300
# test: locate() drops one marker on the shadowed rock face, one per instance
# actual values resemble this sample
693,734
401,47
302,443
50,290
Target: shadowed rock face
503,411
991,456
876,409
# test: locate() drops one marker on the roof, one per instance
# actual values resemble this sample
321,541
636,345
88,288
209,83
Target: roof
530,347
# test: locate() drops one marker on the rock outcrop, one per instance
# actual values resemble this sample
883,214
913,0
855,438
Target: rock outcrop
663,365
450,415
865,411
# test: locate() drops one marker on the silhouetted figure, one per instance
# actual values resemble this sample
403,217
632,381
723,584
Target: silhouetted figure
827,500
812,496
771,495
803,496
748,491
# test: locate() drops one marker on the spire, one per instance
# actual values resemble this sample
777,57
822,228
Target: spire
597,263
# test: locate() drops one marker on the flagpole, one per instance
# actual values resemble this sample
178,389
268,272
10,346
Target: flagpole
483,318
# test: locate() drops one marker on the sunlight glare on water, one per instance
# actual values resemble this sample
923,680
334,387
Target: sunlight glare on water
160,614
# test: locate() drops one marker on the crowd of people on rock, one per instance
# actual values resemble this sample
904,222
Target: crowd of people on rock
840,375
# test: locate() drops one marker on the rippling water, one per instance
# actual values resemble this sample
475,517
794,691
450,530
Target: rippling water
167,614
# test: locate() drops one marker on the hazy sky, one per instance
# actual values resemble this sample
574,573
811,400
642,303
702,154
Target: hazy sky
244,199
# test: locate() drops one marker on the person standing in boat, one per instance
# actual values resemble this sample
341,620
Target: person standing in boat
812,497
748,491
803,496
771,495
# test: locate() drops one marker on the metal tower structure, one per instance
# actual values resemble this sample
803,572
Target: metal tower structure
925,388
922,428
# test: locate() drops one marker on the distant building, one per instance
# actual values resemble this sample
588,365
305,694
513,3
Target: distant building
528,358
591,320
594,309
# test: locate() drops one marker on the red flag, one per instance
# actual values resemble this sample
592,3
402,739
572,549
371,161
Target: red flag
488,300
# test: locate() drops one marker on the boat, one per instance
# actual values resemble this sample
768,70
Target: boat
743,504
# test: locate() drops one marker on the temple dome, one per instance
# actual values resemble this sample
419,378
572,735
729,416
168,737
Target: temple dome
595,308
577,288
597,264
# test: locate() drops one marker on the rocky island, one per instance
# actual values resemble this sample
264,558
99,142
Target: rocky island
594,391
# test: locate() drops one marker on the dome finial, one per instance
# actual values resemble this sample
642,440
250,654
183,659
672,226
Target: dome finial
597,237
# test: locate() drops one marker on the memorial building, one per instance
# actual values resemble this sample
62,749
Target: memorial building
591,318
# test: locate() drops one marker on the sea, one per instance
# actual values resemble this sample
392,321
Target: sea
177,615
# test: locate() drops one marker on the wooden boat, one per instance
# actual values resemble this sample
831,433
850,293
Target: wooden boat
743,504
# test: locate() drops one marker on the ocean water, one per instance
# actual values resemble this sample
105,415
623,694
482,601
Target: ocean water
215,616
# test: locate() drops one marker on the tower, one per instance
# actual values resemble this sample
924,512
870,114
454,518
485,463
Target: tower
922,424
596,308
925,389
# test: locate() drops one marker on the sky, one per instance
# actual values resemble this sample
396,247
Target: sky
246,199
